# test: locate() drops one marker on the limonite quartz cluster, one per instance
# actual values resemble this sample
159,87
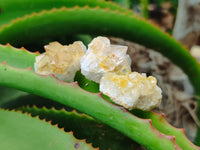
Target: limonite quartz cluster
61,60
106,64
102,57
133,90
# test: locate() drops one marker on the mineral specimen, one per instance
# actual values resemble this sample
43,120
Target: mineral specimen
61,60
102,57
103,63
133,90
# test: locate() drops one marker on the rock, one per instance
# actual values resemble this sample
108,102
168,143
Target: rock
61,60
102,57
133,90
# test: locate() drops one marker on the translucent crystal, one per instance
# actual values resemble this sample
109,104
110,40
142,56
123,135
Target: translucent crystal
61,60
102,57
133,90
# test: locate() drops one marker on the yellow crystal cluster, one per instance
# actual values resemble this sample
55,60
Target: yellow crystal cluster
103,63
133,90
109,65
61,60
102,57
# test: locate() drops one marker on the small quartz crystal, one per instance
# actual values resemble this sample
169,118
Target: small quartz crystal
102,57
133,90
61,60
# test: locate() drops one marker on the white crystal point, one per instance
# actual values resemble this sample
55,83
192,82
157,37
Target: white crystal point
61,60
133,90
102,57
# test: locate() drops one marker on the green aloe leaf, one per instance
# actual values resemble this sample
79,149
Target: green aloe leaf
19,58
30,100
21,132
8,54
12,9
9,95
11,98
159,122
86,84
84,127
94,105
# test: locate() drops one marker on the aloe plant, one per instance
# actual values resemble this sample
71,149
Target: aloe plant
89,17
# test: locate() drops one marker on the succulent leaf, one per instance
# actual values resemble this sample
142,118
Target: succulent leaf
19,58
16,58
12,9
30,100
85,127
9,95
21,132
91,104
158,122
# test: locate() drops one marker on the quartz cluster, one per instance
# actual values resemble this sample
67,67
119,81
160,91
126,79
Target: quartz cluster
103,63
102,57
133,90
109,65
61,60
